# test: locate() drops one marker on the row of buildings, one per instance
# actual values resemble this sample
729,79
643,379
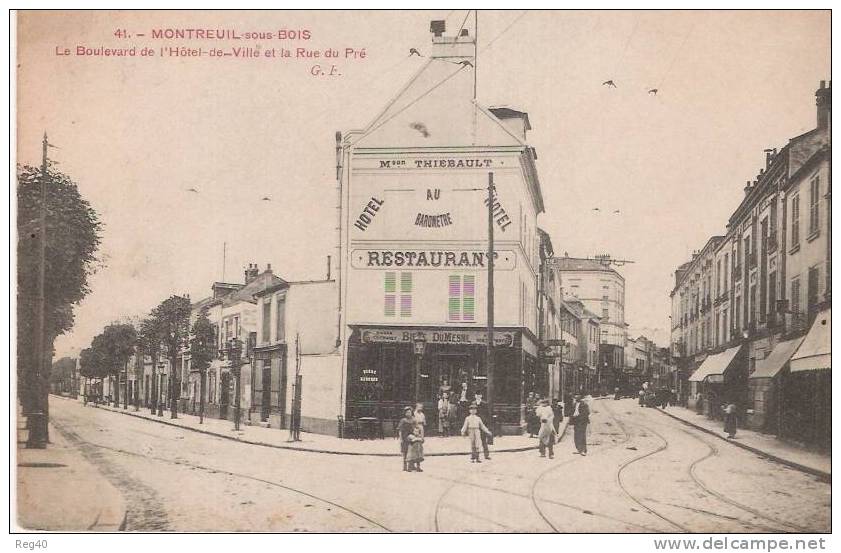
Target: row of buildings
419,190
751,310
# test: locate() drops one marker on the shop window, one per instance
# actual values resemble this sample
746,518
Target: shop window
461,305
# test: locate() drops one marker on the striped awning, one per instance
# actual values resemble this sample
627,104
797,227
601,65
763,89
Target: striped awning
715,365
776,360
816,351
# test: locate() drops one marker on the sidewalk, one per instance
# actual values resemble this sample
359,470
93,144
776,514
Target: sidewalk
318,443
59,490
762,444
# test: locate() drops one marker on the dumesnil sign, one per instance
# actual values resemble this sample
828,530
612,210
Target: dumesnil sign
462,337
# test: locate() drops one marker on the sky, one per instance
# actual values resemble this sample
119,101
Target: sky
136,133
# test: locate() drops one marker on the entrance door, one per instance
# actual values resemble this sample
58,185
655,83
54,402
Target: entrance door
225,396
266,398
454,369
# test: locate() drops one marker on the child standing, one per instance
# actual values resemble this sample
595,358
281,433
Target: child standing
415,454
473,429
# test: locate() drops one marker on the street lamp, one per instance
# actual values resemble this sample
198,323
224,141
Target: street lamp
419,340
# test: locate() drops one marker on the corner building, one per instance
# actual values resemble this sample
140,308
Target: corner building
414,241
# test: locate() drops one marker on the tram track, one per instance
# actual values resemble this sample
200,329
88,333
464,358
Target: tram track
714,452
214,470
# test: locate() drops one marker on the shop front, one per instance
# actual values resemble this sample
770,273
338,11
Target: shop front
391,367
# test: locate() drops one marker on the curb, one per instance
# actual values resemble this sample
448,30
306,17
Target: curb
822,475
304,449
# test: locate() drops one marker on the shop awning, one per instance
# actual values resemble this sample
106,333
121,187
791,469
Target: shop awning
715,365
816,351
776,360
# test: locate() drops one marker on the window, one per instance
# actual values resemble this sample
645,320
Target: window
814,198
391,294
236,327
267,321
795,295
605,314
280,318
726,267
772,294
462,298
795,220
718,277
747,251
812,290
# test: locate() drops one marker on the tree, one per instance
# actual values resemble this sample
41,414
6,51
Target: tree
72,238
119,341
173,321
149,343
202,351
92,365
61,374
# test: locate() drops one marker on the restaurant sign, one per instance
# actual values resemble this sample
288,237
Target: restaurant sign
457,337
504,260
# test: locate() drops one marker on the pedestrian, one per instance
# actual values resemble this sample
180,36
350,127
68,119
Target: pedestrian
414,456
616,395
580,419
558,411
452,417
642,397
483,411
463,402
546,434
420,419
730,419
444,414
473,428
406,427
531,418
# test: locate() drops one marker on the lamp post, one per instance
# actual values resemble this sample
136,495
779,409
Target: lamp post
419,340
159,390
490,362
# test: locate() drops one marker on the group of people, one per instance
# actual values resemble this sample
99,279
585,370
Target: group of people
662,397
543,419
453,408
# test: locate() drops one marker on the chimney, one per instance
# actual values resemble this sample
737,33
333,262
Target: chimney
823,101
268,268
769,156
454,48
747,188
251,272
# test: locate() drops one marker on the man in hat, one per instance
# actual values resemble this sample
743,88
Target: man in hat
484,413
406,427
580,419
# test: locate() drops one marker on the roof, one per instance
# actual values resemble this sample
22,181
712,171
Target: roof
715,365
816,350
510,113
246,293
583,264
776,360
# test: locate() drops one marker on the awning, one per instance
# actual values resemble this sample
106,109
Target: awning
816,351
776,360
715,365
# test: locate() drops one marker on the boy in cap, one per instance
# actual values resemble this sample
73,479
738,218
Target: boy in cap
473,429
406,428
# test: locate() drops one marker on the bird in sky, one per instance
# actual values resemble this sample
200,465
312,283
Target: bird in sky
466,63
421,128
266,199
192,190
609,84
596,209
616,211
653,91
414,52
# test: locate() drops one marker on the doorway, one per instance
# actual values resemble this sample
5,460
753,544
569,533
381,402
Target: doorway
225,395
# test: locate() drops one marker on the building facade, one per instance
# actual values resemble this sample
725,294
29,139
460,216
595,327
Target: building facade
414,245
771,278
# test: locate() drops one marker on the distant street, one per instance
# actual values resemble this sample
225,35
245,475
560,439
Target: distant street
644,473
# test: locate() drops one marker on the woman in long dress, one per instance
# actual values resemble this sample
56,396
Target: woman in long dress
473,428
730,419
